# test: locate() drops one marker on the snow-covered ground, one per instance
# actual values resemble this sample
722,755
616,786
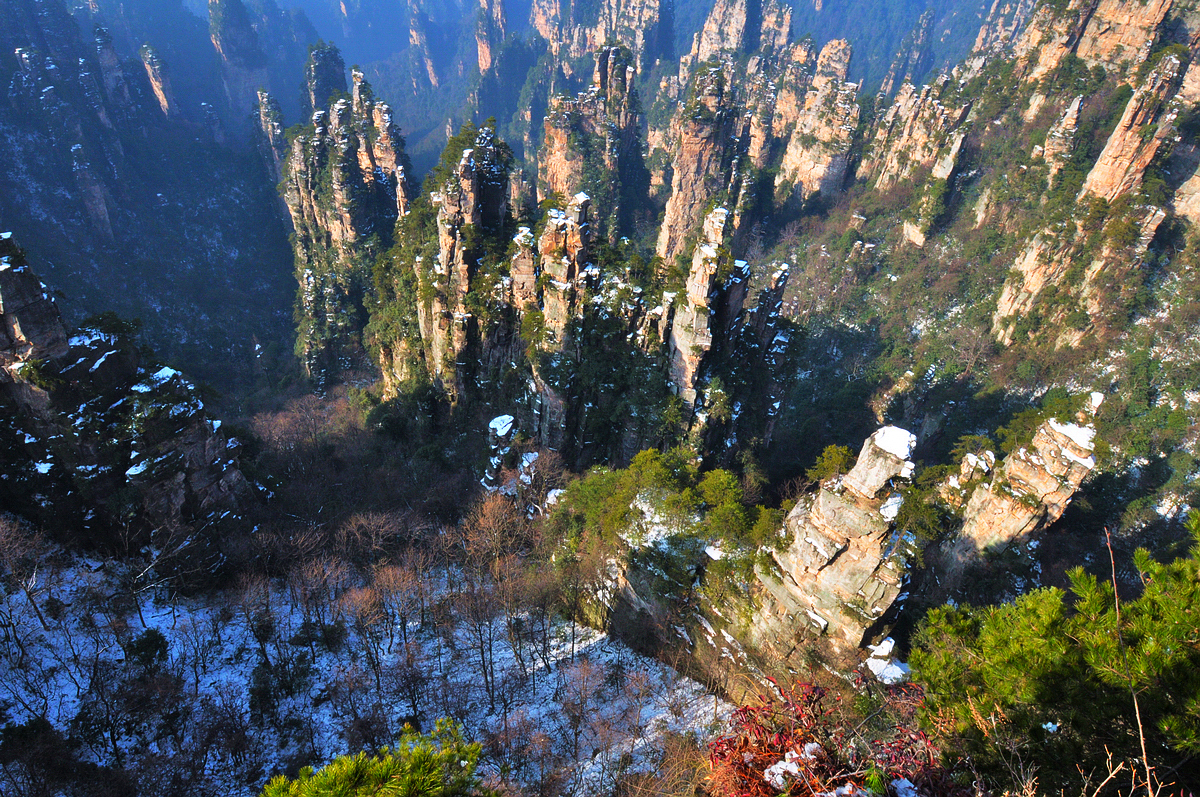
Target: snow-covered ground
274,675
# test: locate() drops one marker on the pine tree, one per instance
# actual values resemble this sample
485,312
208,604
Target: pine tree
1056,680
439,764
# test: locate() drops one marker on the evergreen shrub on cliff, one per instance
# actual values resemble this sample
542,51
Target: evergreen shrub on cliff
439,764
1055,680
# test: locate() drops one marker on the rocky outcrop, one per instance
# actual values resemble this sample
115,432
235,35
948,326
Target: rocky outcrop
725,29
273,144
565,248
593,144
691,336
842,569
703,151
116,82
324,76
93,441
1049,36
917,131
742,26
884,456
346,182
489,31
32,328
1031,488
1117,35
1002,26
644,26
474,199
1145,131
818,150
418,42
1060,140
1121,33
912,61
1146,125
160,80
243,62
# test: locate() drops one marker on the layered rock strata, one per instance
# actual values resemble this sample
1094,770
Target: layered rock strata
842,570
1031,488
818,150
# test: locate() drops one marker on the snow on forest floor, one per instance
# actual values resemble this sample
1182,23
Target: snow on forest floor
273,675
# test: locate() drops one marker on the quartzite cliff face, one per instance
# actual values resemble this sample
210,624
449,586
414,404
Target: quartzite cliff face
345,184
558,317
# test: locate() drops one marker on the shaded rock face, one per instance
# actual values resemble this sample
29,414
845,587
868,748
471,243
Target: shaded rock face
93,180
93,442
273,145
32,328
1031,488
243,62
1005,21
418,40
116,83
840,573
345,184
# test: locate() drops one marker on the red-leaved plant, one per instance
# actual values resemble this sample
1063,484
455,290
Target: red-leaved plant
797,742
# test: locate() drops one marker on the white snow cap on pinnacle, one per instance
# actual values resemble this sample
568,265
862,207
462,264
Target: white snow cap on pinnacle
896,441
502,424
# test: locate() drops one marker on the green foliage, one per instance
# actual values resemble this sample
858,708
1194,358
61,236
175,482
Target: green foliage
1174,49
1140,421
972,444
447,165
725,518
439,764
920,514
149,651
39,373
1006,675
834,461
110,323
710,506
1018,432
